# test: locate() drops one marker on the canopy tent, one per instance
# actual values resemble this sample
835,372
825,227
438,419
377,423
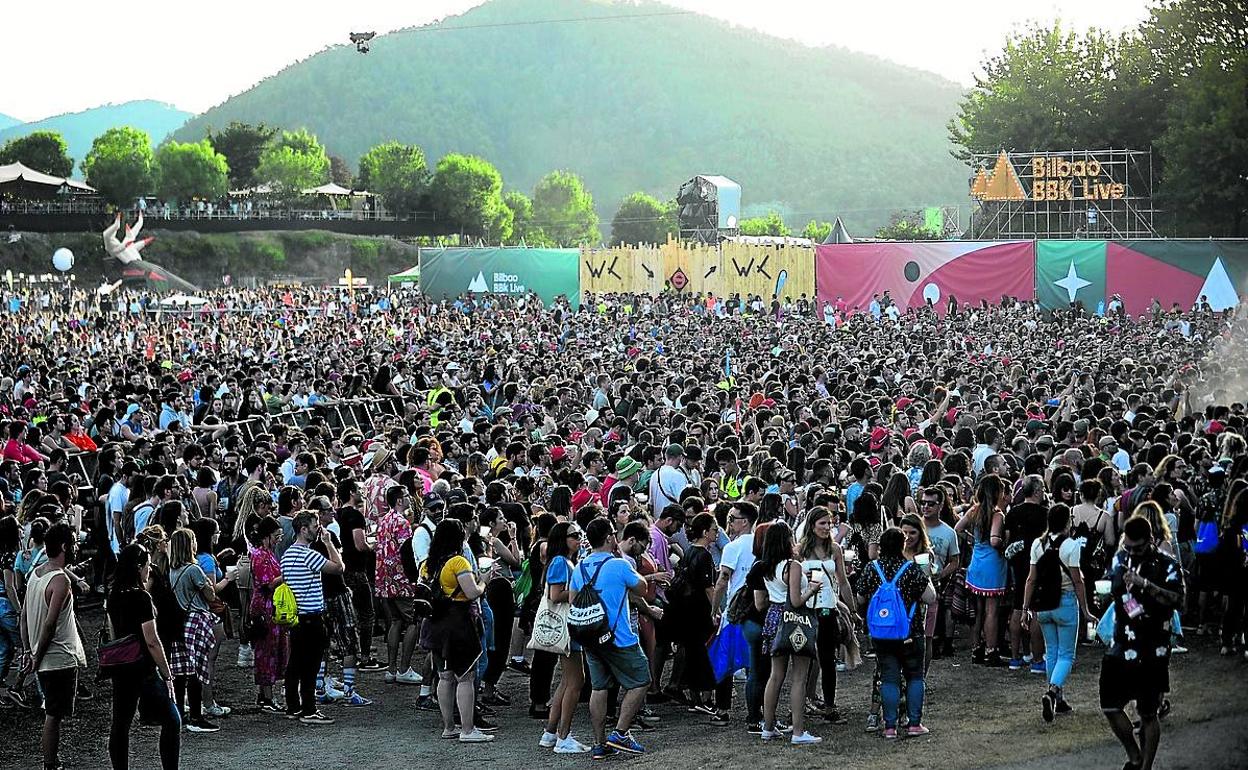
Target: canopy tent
333,188
838,233
20,178
410,275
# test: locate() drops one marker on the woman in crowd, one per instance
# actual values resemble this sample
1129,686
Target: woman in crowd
10,604
1061,624
190,658
148,684
755,615
203,496
785,582
504,544
689,600
205,531
824,562
562,553
268,639
986,575
900,658
542,670
453,632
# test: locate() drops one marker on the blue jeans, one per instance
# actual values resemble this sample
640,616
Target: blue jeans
487,639
1061,634
898,658
9,642
757,674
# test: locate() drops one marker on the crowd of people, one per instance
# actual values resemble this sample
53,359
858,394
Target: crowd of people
663,499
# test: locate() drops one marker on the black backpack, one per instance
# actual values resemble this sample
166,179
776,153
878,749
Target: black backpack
588,622
424,600
1046,594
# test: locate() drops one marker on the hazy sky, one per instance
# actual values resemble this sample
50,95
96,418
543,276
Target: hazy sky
67,55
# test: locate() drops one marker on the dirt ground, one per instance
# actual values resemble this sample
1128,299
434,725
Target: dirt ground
978,717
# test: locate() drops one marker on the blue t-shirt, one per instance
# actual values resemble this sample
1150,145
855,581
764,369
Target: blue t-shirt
557,571
613,582
852,494
208,565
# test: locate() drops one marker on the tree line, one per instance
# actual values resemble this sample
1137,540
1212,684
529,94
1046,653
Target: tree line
463,189
1178,83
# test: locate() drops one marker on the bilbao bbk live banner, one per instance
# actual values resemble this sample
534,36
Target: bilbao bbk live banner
1169,271
549,272
914,273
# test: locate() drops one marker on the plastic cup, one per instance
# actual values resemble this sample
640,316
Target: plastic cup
1103,587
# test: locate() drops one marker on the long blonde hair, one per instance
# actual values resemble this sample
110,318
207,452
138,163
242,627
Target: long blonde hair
1151,511
182,548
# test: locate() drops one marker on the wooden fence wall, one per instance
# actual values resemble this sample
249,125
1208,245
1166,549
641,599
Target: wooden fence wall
729,268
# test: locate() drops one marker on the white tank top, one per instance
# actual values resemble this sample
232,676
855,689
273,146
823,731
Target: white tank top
778,587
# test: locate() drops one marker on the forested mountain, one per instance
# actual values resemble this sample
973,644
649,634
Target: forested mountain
638,104
81,128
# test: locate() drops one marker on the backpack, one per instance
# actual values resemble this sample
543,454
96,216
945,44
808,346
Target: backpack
285,608
1206,537
1047,592
588,622
887,617
128,521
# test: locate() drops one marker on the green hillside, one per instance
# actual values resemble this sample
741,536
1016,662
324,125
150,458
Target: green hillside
81,128
641,104
6,121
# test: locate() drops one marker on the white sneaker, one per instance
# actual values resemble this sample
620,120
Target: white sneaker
217,711
390,677
804,739
739,676
548,740
333,693
570,745
408,677
476,736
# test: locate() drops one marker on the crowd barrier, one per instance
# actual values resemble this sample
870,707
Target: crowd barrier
365,414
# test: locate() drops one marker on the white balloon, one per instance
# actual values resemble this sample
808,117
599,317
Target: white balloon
63,260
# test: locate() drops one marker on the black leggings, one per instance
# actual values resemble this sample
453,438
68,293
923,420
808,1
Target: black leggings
503,605
829,642
190,694
152,694
541,676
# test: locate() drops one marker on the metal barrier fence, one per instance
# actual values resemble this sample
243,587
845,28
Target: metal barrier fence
364,414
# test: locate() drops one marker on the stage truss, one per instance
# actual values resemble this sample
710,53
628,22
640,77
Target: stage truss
1040,201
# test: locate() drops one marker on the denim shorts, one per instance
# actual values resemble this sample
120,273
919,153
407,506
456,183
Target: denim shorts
626,666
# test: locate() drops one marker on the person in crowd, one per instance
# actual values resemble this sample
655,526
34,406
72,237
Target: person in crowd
946,559
620,661
1057,578
986,576
49,631
562,554
453,632
787,586
1146,586
824,562
10,604
302,569
148,684
904,657
190,656
268,639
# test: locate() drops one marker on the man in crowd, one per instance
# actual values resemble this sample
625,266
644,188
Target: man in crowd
302,568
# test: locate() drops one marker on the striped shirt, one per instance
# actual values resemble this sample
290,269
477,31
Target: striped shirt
301,567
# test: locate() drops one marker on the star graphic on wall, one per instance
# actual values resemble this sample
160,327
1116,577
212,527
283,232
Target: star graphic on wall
1072,283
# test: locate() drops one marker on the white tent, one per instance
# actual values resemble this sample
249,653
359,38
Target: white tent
333,188
19,172
181,299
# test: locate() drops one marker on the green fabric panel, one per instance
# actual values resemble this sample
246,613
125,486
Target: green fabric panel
1193,256
934,219
1055,280
549,272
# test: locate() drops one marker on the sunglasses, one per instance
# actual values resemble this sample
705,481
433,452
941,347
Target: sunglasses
574,533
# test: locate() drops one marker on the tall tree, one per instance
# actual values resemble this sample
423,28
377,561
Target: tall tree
398,173
242,144
294,163
340,171
190,170
642,218
817,231
119,165
772,224
522,226
564,209
468,192
44,151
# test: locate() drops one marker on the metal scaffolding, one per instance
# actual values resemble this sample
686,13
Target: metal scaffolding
1053,205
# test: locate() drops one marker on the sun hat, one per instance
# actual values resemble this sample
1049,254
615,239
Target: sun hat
626,467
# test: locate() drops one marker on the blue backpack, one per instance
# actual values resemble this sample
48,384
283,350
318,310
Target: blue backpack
1206,537
887,617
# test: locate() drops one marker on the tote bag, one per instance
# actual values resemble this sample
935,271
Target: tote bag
550,627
